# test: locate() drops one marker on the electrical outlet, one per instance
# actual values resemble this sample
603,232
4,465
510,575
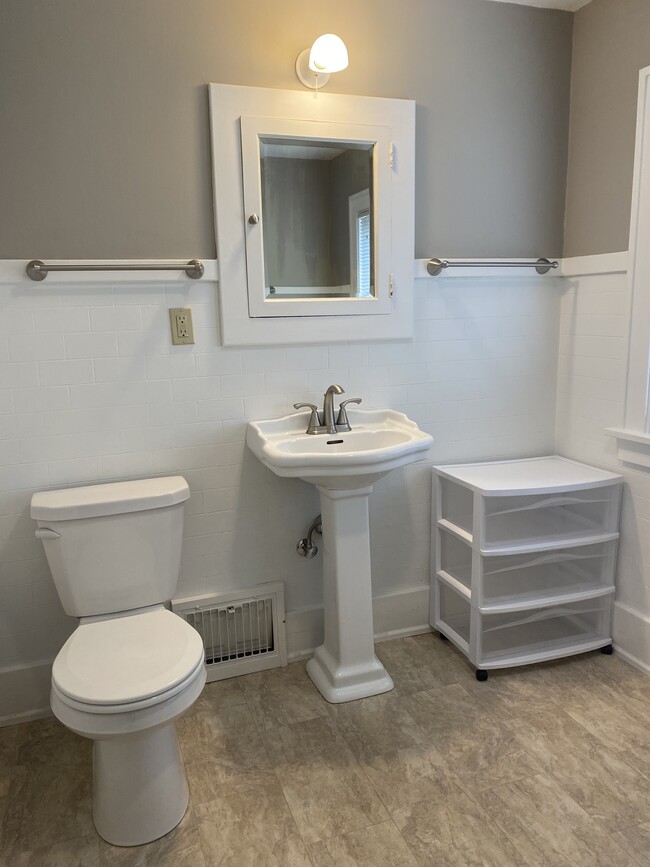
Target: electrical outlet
181,324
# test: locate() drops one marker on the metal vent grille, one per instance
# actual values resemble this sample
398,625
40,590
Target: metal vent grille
242,631
235,631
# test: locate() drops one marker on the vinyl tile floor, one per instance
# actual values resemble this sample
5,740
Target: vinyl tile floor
548,765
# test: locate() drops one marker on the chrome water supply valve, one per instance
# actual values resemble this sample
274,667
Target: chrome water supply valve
306,547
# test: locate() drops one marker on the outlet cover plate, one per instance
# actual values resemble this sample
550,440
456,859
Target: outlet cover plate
180,319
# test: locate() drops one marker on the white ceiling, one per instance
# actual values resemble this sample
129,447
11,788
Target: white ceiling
569,5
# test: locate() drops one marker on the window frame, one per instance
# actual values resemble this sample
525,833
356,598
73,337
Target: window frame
358,206
633,439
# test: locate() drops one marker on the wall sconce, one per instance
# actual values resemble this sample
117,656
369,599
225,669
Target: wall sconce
314,65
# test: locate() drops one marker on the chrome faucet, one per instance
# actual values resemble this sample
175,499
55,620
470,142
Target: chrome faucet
320,423
328,408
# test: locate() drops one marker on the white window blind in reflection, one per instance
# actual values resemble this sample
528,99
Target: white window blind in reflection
363,252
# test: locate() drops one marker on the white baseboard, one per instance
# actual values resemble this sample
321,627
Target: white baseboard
396,615
28,716
631,633
422,629
632,660
25,689
25,692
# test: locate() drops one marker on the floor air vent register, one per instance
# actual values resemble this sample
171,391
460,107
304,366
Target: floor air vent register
242,630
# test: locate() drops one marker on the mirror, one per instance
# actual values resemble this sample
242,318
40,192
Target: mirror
317,218
316,199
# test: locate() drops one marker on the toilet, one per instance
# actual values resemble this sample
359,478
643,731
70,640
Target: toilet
131,667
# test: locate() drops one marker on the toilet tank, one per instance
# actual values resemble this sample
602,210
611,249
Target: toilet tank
113,547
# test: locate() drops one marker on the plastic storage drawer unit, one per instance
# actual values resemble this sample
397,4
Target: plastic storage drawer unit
525,556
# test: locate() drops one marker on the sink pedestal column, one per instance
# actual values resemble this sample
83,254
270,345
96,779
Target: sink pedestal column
344,667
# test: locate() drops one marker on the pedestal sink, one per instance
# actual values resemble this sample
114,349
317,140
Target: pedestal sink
343,467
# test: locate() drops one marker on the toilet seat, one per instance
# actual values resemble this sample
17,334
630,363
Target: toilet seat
105,721
126,663
128,707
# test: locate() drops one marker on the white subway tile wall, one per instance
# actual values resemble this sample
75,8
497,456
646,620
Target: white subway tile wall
92,390
591,397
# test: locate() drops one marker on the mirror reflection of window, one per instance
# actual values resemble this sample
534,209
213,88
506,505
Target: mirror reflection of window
363,235
359,221
308,187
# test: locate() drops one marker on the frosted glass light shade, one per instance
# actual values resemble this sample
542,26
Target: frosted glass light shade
328,54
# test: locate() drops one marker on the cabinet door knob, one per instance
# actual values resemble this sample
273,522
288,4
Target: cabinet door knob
253,219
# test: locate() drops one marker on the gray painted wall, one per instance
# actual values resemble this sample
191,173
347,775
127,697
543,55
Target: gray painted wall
104,147
351,172
611,45
296,211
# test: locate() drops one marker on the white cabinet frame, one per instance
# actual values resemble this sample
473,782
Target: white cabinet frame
260,303
395,165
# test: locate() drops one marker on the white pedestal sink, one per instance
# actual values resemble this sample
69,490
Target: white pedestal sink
343,467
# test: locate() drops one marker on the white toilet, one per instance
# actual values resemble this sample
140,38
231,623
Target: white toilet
131,667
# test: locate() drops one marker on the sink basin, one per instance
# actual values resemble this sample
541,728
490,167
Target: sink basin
380,441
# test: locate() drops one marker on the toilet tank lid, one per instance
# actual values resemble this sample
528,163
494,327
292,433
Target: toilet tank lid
115,498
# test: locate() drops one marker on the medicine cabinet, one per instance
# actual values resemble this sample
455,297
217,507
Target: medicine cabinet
314,215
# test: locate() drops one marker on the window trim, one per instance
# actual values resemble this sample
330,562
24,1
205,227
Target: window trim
633,439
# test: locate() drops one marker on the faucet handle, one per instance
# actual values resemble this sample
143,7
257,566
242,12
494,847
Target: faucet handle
342,422
314,418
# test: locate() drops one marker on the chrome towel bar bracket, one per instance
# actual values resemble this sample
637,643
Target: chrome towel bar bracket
37,270
542,266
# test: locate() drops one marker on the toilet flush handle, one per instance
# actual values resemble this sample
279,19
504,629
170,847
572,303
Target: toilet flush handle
46,533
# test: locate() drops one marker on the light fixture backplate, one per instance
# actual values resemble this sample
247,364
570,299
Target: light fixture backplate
306,76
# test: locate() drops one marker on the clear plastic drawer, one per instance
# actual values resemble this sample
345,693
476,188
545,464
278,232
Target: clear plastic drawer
519,637
454,613
521,580
557,518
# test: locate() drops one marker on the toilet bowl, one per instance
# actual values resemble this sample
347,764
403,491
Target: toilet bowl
125,674
122,682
